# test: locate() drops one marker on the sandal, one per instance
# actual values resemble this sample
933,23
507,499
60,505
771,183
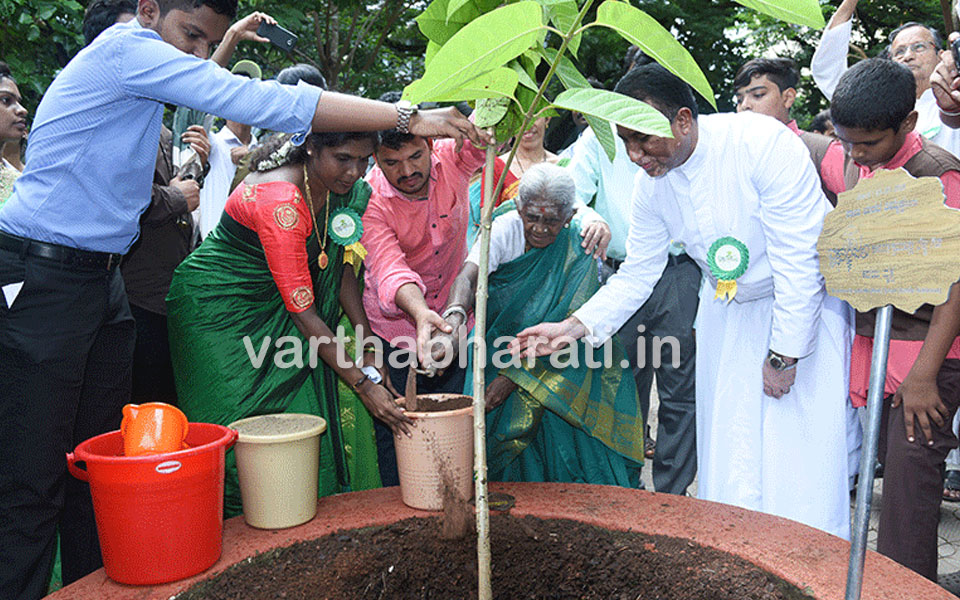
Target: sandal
951,487
650,447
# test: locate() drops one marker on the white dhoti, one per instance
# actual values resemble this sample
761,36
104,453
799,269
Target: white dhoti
784,456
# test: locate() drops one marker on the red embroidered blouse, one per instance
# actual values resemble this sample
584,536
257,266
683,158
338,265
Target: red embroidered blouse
276,211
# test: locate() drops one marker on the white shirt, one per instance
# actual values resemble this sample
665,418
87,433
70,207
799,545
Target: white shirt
749,177
829,60
506,241
611,182
829,63
216,185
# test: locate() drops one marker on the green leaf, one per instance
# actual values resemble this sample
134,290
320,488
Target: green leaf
566,71
500,83
530,62
801,12
604,132
490,111
510,124
437,26
454,6
616,108
432,49
574,45
487,42
571,78
524,78
563,16
641,29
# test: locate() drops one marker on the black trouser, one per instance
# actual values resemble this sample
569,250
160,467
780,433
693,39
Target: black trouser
913,480
450,381
152,366
669,311
66,347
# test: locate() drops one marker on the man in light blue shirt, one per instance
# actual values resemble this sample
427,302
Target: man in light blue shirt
66,334
669,311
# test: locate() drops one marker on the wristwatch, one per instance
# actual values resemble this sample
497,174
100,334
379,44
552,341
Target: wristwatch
405,112
779,362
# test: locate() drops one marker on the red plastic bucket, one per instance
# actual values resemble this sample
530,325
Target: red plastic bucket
159,517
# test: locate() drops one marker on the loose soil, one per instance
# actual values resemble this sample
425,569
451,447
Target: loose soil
532,558
442,402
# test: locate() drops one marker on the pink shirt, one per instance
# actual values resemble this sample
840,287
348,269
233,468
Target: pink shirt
417,241
903,353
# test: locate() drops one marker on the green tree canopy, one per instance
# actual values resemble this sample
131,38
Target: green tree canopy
372,46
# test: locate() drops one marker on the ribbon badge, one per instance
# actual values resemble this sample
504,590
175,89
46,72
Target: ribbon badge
346,228
727,258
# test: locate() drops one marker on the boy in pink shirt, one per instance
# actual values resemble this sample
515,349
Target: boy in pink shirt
922,388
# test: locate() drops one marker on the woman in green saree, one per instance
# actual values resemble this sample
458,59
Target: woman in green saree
250,312
555,419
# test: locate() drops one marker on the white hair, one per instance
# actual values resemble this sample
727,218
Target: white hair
549,184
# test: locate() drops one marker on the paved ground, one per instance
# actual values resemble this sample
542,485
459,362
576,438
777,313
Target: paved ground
949,549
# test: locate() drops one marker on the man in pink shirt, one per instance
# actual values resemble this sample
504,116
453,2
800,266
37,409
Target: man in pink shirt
415,232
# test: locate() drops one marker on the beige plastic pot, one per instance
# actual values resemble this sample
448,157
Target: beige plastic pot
278,463
439,454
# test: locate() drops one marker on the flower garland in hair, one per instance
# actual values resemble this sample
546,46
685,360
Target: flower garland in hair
278,157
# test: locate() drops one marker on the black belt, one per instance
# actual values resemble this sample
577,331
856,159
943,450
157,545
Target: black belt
613,263
84,259
675,259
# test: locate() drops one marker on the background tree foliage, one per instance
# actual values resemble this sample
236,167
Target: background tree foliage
372,46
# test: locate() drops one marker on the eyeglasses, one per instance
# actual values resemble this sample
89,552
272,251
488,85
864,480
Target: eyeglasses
916,48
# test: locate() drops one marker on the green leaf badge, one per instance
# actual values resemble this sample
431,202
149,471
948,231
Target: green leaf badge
727,258
345,225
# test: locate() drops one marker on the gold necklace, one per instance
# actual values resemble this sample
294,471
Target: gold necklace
322,260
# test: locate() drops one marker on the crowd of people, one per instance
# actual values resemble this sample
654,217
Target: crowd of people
301,257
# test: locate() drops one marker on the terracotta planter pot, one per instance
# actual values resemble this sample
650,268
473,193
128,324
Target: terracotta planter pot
439,454
805,557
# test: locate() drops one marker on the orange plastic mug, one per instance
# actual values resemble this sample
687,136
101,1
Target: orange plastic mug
152,428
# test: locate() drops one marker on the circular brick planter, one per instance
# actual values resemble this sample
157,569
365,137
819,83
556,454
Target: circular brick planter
812,560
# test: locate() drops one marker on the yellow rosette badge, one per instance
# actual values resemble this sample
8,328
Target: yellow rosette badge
727,258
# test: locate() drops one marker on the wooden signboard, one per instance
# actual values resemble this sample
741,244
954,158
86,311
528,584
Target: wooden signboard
891,240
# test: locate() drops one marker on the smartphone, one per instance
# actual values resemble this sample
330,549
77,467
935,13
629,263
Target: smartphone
278,36
955,48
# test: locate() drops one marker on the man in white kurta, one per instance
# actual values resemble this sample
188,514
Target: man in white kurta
750,178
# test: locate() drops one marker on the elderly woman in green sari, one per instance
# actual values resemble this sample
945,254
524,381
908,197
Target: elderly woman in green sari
555,418
251,312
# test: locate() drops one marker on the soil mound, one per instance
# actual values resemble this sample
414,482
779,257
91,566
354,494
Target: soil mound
532,558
